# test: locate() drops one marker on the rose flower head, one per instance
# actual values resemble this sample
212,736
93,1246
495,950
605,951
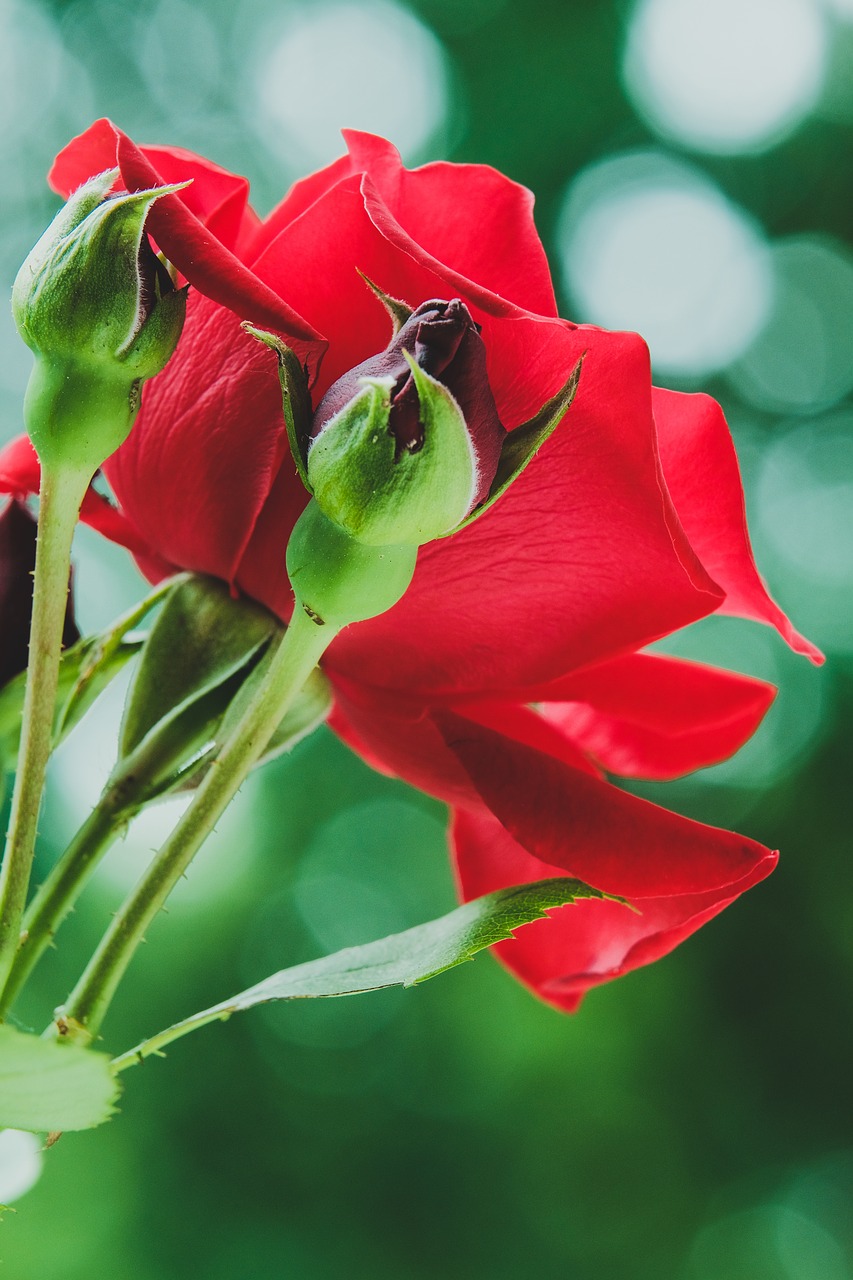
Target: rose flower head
512,680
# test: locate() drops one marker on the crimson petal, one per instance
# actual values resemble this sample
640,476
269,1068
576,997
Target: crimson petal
702,473
581,946
649,716
187,241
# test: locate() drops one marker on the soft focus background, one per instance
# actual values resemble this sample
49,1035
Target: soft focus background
691,161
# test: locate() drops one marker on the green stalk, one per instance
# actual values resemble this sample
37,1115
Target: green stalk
56,897
62,492
296,657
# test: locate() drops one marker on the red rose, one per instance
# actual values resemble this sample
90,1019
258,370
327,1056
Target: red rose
508,678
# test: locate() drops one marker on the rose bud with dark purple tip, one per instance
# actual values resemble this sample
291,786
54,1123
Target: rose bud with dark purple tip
406,444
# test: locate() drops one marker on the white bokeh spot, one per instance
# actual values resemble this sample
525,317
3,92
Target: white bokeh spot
20,1164
726,75
371,66
650,244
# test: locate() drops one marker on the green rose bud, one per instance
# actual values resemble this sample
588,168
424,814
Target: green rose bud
405,445
102,314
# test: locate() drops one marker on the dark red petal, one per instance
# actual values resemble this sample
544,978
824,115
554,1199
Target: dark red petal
206,448
588,943
192,246
650,716
702,473
470,217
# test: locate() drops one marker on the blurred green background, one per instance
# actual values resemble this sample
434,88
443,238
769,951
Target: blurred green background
691,162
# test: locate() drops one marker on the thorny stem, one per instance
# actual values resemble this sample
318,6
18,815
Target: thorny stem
62,492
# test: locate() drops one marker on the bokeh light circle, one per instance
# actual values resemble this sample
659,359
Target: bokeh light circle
370,65
725,75
801,360
20,1164
804,523
651,244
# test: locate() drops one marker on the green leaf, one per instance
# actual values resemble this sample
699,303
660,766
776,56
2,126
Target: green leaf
295,398
85,670
399,311
522,444
402,959
201,639
309,709
46,1085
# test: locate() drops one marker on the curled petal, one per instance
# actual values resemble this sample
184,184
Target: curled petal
649,716
471,218
586,944
185,227
702,474
612,840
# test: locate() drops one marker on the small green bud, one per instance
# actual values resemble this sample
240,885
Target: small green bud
381,497
337,580
102,314
405,445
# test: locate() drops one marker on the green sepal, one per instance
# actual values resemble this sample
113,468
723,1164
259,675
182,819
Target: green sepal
383,495
85,670
523,443
46,1086
101,314
337,579
196,657
295,398
77,296
201,638
399,311
400,960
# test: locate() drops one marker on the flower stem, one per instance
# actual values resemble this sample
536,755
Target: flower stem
298,653
56,897
62,492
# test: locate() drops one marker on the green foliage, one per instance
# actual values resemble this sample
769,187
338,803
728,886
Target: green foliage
85,670
204,657
46,1085
400,960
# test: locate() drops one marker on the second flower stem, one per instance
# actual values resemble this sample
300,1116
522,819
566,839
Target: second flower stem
296,657
62,492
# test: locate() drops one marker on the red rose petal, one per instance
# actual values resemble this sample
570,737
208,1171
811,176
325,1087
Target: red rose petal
702,473
592,830
471,218
587,943
206,447
650,716
193,247
582,558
